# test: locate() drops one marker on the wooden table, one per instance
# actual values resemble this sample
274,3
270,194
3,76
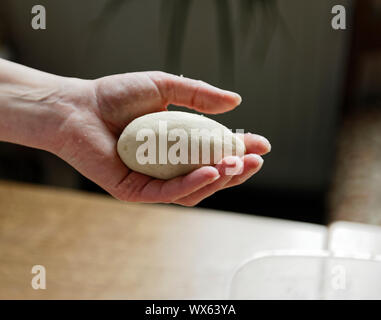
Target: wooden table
95,247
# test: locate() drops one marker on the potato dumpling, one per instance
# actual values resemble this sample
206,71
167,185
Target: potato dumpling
168,144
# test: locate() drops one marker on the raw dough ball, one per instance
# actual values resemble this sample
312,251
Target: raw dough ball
175,134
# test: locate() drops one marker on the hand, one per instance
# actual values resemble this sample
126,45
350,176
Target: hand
96,112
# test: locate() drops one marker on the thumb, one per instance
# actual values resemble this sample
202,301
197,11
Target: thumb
194,94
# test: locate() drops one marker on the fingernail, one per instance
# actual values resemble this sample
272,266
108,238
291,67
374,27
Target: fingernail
257,157
216,177
217,174
237,97
263,139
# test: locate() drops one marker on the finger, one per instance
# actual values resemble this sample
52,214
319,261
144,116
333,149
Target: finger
130,188
155,190
252,164
255,143
199,195
194,94
181,186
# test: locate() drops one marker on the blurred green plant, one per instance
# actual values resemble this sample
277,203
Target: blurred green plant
258,20
101,21
225,43
173,18
107,12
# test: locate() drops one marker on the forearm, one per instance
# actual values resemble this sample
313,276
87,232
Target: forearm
30,108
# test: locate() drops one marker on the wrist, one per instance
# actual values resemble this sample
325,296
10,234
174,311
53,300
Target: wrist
35,106
72,99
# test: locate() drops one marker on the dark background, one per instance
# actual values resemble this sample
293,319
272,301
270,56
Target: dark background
299,80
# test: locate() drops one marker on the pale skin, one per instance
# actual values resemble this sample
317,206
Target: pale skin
80,121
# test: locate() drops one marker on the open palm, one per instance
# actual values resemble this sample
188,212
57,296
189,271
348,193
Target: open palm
100,110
